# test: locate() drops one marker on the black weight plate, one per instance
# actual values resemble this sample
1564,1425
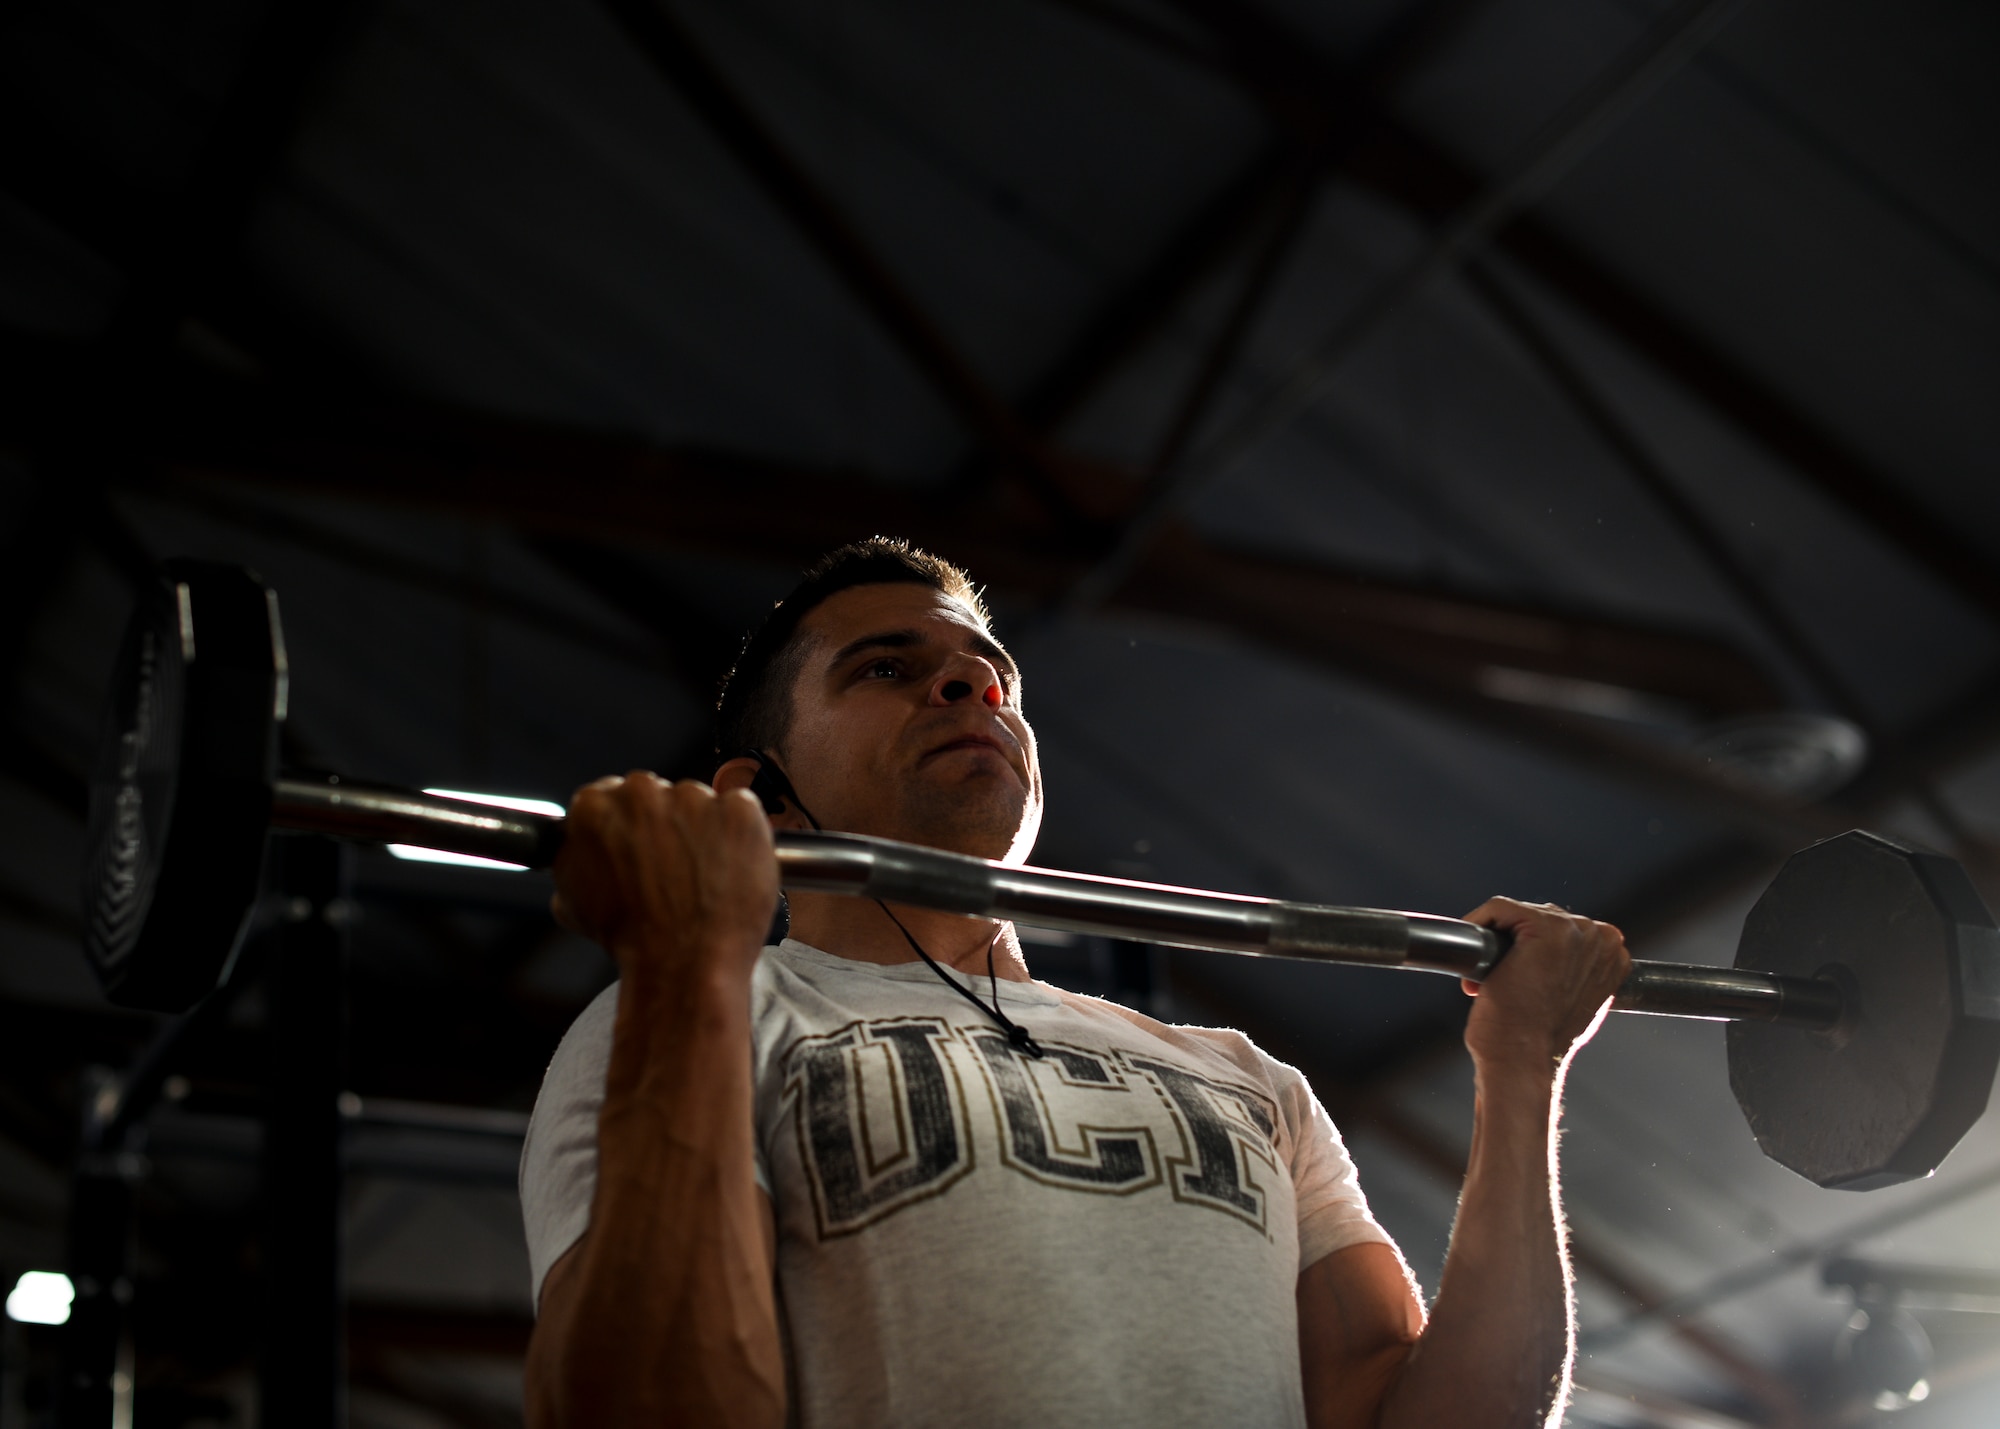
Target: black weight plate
181,795
1886,1095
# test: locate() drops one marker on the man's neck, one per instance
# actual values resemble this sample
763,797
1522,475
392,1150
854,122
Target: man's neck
857,928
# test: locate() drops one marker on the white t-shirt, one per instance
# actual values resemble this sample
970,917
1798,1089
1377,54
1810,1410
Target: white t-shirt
1111,1236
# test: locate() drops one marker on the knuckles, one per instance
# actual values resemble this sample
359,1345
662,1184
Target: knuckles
642,850
1555,937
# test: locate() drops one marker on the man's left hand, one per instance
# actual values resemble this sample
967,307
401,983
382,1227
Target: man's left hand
1551,991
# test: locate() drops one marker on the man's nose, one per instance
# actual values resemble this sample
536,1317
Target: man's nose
969,678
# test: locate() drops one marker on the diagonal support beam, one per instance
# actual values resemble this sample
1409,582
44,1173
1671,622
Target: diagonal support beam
672,50
1278,65
1133,317
1556,148
1319,120
1227,343
1415,174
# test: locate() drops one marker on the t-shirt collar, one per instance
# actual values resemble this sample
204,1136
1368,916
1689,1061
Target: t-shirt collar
1030,994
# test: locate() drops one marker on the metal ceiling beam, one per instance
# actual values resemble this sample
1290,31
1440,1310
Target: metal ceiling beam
276,524
552,479
1596,410
673,51
1281,66
1591,114
1226,345
1440,648
1149,30
1317,124
1248,595
1133,316
1726,870
1416,174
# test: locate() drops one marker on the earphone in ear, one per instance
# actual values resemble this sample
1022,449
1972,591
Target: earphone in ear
770,783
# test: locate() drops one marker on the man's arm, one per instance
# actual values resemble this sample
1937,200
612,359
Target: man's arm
1359,1317
1498,1346
665,1312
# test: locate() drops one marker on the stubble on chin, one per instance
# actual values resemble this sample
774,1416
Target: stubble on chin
981,817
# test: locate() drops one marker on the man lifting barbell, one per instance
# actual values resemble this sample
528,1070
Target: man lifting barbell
825,1180
932,1205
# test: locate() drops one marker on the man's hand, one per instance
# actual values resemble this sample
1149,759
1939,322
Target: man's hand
1551,991
667,874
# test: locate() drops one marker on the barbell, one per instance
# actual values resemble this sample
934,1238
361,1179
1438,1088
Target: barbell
1863,1005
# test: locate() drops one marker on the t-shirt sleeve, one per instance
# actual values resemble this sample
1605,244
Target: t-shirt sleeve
559,1155
558,1174
1333,1213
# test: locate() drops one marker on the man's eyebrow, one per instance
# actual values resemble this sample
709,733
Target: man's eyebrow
881,640
907,639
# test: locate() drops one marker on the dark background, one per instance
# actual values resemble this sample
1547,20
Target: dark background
529,355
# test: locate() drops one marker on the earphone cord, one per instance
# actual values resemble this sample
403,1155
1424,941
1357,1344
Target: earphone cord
1018,1037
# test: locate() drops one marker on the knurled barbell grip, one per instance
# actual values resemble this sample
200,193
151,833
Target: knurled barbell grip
860,866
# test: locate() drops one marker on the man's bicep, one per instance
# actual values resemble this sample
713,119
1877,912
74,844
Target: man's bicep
555,1285
556,1307
1358,1317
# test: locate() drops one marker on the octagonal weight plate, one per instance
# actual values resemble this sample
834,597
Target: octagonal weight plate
180,798
1883,1097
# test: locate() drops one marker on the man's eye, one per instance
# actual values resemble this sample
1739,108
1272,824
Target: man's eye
882,670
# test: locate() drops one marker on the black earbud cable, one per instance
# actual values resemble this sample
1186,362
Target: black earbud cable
772,785
1018,1037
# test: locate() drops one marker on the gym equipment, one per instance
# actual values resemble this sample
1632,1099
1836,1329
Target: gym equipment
1864,1006
1884,1095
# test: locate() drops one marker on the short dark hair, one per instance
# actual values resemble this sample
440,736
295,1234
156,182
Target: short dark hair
754,709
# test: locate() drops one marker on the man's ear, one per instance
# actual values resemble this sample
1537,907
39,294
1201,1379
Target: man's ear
741,773
734,774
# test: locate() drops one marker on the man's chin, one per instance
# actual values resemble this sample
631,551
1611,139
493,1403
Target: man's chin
983,819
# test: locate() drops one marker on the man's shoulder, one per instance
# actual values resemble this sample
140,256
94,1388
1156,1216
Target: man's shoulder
590,1029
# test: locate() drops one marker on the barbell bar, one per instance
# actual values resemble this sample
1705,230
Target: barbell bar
1863,1009
861,866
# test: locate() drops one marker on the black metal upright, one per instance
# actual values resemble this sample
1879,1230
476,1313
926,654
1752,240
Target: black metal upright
99,1262
303,1379
96,1389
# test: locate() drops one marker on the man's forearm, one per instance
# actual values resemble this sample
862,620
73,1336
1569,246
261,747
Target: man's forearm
1496,1351
669,1316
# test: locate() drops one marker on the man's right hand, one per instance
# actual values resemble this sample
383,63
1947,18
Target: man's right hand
667,877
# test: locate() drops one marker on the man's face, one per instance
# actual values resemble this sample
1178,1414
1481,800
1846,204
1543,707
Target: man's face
906,724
